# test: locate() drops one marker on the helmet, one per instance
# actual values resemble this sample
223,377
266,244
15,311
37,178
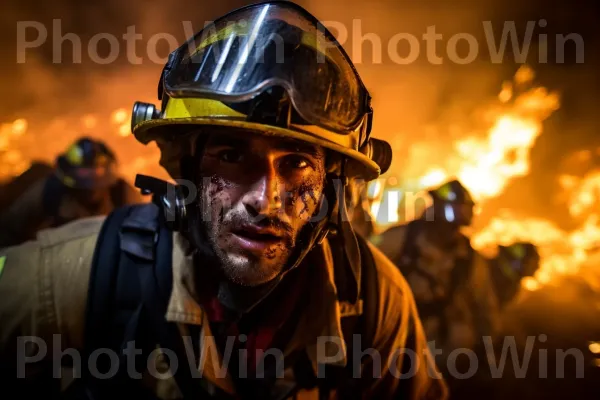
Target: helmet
86,164
520,258
269,68
452,203
452,192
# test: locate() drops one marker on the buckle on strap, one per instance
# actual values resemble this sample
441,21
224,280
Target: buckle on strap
139,232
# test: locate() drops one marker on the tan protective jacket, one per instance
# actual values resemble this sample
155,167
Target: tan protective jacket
44,287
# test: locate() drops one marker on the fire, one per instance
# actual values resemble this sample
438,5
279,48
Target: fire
595,347
19,127
562,253
491,163
484,160
507,228
584,192
89,121
486,163
11,160
119,116
20,142
486,152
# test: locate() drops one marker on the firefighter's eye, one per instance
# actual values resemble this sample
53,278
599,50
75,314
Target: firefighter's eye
230,155
297,162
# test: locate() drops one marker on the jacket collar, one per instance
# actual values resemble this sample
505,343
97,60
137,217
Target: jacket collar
322,335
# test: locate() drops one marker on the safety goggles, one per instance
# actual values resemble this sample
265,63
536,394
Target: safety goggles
272,44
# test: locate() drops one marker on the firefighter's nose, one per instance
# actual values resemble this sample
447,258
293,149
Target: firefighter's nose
265,196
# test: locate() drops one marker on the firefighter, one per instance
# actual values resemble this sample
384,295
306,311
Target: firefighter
83,183
245,270
510,266
449,279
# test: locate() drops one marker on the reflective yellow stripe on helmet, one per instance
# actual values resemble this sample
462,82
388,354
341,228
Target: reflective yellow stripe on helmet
194,107
444,192
75,155
517,250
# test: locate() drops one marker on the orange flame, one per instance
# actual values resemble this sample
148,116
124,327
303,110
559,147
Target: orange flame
484,162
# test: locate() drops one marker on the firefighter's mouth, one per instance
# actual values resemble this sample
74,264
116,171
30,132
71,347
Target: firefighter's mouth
255,238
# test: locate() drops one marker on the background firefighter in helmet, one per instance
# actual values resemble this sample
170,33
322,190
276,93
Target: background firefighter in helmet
263,258
450,281
510,266
83,183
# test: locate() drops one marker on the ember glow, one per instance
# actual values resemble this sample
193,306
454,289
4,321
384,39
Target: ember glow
20,143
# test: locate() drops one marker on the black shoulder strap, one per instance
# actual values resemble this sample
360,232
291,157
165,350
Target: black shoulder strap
113,312
114,291
370,293
130,287
409,254
462,269
52,195
369,319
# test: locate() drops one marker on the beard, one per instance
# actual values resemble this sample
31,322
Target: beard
237,264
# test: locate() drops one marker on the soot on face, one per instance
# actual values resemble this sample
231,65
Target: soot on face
307,193
224,197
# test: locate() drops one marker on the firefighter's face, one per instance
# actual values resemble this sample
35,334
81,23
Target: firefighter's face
257,194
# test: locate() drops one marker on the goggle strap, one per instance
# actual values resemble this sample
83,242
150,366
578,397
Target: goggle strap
165,69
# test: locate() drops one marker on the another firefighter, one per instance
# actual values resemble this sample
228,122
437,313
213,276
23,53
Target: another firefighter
510,266
449,279
83,183
252,283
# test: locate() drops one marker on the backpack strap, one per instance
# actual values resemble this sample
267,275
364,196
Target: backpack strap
130,288
115,292
406,260
114,315
51,197
462,269
369,319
